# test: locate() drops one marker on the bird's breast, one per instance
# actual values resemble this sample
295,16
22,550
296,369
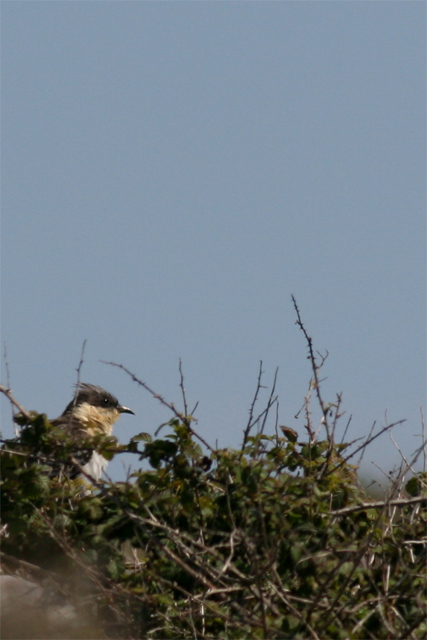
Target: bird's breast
96,465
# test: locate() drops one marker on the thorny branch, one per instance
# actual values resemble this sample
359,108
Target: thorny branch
185,419
315,368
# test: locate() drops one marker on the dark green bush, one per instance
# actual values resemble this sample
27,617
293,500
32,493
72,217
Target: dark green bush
269,541
274,540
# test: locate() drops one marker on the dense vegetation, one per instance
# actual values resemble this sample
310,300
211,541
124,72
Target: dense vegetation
273,540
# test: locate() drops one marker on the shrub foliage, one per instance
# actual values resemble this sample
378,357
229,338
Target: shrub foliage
273,540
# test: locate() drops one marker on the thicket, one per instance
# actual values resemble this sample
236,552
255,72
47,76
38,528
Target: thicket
276,539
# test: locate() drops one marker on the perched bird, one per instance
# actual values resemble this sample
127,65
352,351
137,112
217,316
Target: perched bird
92,412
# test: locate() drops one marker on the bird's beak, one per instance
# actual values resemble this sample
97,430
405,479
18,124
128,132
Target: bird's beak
125,410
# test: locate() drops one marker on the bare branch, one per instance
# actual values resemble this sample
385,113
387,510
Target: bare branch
315,367
379,505
365,444
79,368
251,410
15,403
271,400
346,429
184,419
6,364
181,384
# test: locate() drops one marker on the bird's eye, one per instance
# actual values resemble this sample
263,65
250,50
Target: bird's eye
105,401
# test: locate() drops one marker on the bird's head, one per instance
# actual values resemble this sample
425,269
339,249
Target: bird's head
95,408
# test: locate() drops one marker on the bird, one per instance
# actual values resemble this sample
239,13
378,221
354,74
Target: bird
92,412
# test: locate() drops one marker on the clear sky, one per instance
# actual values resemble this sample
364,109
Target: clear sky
173,171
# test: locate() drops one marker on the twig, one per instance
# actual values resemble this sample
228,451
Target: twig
367,440
346,429
10,397
315,367
306,407
285,597
409,465
251,410
169,405
6,364
365,444
337,414
379,505
79,368
181,384
271,400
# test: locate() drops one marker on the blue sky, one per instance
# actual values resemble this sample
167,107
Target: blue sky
173,172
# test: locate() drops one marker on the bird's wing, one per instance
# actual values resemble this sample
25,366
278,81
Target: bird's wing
83,453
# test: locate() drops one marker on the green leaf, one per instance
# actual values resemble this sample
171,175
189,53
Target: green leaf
144,437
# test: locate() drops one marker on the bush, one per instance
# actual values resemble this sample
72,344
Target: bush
273,540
